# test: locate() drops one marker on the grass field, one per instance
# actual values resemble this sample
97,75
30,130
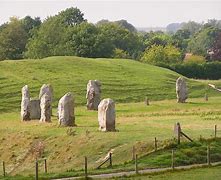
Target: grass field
122,80
193,174
137,124
127,82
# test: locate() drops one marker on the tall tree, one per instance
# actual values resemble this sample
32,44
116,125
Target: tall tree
203,41
71,16
89,41
13,39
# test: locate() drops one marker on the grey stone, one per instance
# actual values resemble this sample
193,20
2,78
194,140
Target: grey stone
25,104
93,94
47,89
45,104
66,110
106,115
35,110
181,90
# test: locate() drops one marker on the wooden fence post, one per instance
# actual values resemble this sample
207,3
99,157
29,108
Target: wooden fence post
45,165
215,130
110,157
136,167
177,131
3,167
155,144
85,167
172,159
146,101
206,97
133,153
208,155
36,170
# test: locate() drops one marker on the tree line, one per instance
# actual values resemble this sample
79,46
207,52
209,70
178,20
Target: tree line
69,34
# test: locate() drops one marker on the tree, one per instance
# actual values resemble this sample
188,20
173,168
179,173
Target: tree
203,41
29,23
51,39
181,38
13,39
71,16
216,47
54,36
157,38
159,55
191,26
123,23
122,39
88,41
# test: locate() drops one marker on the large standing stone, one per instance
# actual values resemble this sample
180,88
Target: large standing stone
45,104
47,89
181,90
25,104
106,115
35,110
66,110
93,94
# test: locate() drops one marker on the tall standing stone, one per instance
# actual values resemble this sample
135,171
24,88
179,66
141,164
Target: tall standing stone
45,104
93,94
66,110
181,90
25,104
47,89
35,110
106,115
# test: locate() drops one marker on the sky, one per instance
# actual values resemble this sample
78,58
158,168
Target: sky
140,13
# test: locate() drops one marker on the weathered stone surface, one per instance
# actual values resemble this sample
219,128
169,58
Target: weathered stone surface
106,115
93,94
181,90
35,110
47,89
66,110
25,104
45,104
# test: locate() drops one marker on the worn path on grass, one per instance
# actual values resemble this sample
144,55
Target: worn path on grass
144,171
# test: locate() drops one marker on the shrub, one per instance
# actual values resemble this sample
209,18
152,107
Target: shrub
199,71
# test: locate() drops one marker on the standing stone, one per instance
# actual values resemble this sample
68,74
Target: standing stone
66,110
47,89
106,115
93,94
45,104
35,110
25,104
181,90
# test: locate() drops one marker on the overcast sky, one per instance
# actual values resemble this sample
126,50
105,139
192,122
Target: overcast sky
141,13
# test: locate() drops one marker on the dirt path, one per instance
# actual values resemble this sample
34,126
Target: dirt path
145,171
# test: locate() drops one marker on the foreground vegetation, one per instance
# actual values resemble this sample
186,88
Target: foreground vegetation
137,126
210,173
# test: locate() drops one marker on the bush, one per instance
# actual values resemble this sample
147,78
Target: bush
161,55
194,59
199,71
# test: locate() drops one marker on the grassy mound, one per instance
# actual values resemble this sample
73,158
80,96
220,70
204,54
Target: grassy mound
122,80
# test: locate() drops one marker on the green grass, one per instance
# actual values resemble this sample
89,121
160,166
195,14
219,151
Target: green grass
122,80
208,173
137,124
127,82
